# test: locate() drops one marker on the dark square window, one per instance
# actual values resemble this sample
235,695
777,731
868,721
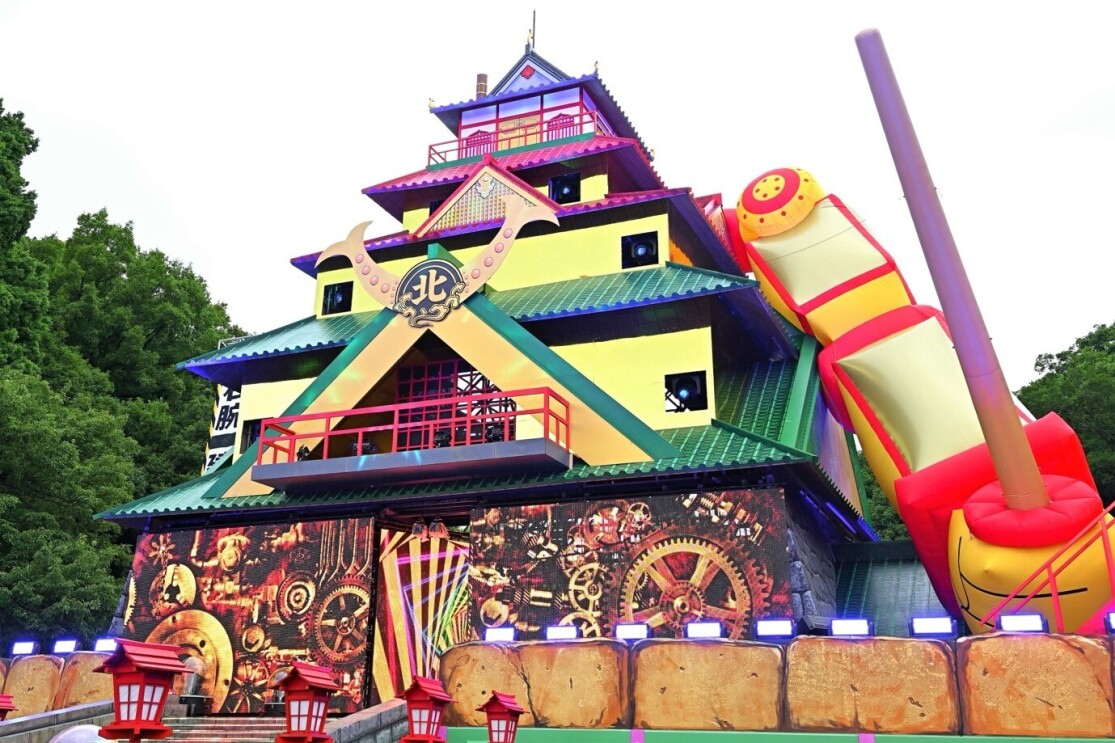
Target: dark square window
435,204
686,391
250,434
566,189
337,298
639,250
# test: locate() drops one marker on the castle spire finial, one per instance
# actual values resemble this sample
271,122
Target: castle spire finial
530,33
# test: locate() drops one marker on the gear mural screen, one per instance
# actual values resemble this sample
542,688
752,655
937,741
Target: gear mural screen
660,560
245,601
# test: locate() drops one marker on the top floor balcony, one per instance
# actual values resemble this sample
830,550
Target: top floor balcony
462,435
530,128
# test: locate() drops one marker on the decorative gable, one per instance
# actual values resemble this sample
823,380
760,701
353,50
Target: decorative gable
531,71
480,199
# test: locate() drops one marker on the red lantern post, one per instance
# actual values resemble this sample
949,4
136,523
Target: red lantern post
141,677
6,706
306,690
503,717
426,700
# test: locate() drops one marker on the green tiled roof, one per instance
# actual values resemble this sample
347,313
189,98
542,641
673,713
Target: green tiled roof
702,447
311,333
559,299
755,398
886,583
614,291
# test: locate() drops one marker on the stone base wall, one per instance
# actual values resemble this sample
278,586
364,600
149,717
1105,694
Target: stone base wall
999,684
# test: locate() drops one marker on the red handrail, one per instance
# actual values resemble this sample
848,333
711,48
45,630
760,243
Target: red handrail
1050,581
567,121
432,420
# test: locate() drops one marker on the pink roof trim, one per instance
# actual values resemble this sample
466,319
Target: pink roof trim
486,162
610,201
516,161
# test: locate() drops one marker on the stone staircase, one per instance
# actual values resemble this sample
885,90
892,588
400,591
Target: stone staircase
238,729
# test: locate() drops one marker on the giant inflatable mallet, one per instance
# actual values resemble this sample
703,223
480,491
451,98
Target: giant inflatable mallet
1018,510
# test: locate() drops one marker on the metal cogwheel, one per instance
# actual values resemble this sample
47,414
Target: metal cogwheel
249,682
253,638
296,595
679,579
586,587
340,623
586,622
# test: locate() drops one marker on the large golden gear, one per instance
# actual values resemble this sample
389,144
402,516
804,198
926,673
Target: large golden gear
200,635
677,580
339,626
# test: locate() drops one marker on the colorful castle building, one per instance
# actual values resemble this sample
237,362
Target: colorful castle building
573,408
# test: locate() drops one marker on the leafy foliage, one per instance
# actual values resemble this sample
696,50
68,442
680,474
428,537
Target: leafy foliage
92,412
1079,385
884,519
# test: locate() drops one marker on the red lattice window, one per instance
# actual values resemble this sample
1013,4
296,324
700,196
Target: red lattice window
467,419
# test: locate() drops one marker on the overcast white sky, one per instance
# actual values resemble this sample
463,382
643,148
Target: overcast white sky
238,135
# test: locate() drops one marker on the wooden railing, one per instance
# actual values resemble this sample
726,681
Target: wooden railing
1101,524
460,420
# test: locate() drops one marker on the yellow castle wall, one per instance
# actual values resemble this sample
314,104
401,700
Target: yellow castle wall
541,259
632,371
266,400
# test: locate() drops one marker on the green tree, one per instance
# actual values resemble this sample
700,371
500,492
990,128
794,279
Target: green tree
884,519
133,314
1079,385
65,460
92,412
23,291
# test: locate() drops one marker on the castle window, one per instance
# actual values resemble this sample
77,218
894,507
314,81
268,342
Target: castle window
250,434
686,391
639,250
566,189
337,298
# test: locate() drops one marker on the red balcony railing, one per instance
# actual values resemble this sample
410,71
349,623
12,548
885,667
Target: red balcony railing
1101,524
547,125
461,420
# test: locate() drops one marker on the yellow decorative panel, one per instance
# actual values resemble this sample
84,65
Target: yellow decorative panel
913,382
856,306
560,256
633,371
823,251
592,437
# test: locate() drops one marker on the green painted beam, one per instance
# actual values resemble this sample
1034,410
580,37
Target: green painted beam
435,250
799,392
626,422
359,342
858,470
